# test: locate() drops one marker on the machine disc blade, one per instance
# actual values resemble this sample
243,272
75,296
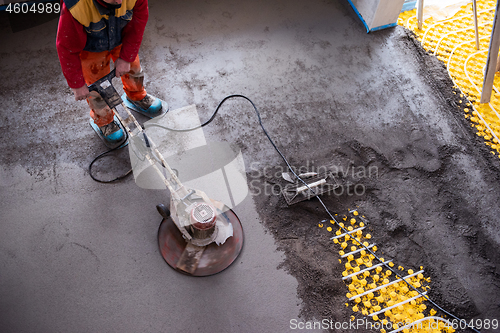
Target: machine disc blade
215,258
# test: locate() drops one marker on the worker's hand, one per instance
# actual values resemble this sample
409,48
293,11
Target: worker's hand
122,67
81,93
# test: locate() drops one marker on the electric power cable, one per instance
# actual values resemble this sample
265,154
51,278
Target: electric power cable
343,228
205,123
104,154
298,178
160,126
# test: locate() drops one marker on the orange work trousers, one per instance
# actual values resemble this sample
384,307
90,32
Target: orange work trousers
95,65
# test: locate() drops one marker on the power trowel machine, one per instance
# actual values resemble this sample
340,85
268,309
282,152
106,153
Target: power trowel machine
198,236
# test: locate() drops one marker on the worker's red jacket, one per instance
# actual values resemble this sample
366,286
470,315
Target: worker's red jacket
88,25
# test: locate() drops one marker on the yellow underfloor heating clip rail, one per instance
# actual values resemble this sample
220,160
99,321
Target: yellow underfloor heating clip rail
394,304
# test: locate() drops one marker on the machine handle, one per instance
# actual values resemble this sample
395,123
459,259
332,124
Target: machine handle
108,78
104,87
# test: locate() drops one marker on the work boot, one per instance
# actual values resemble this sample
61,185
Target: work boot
112,134
110,129
149,106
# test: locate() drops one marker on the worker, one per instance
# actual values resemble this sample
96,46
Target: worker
90,33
